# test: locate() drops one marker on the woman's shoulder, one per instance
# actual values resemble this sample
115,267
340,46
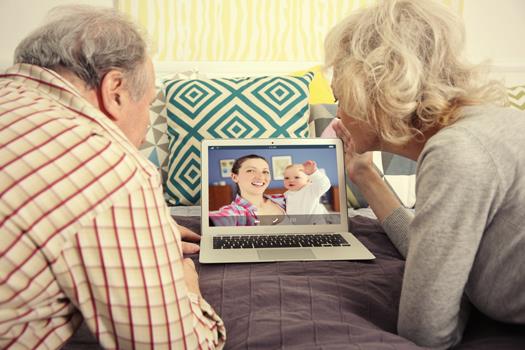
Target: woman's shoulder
485,121
277,198
483,132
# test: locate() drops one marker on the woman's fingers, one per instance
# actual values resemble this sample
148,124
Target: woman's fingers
343,133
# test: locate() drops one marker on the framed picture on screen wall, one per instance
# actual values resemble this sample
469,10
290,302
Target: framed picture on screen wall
279,163
226,167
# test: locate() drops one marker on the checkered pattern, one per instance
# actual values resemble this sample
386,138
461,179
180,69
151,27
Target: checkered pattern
86,233
227,108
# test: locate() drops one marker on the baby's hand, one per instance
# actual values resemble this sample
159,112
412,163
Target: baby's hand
309,167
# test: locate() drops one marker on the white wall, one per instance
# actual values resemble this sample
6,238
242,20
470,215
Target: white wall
19,17
494,31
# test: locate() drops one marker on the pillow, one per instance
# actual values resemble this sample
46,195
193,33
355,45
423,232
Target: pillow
516,96
399,172
320,90
321,115
155,145
249,107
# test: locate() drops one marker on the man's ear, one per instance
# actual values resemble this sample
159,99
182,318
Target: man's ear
112,94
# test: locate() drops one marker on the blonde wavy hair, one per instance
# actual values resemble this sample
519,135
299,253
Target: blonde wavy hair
398,65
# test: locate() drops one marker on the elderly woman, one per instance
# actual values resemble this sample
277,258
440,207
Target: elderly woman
403,87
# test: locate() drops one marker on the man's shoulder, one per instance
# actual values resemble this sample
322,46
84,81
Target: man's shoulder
55,150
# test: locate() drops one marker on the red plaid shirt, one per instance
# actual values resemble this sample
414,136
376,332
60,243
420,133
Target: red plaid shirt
84,230
241,212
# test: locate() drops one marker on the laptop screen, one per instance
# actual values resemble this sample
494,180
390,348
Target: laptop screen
272,184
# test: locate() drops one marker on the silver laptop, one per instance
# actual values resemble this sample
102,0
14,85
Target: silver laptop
236,231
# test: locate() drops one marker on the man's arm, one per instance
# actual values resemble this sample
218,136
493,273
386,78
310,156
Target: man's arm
125,272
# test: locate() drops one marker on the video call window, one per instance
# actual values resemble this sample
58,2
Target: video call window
273,185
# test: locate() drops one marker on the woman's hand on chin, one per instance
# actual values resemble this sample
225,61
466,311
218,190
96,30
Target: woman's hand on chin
357,165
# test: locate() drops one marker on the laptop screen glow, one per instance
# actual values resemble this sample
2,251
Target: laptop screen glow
272,185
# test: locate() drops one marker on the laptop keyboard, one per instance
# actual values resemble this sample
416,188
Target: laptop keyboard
279,241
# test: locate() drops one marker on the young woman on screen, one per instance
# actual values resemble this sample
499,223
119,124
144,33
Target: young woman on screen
251,206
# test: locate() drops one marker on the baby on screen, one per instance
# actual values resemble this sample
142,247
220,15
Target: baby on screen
305,185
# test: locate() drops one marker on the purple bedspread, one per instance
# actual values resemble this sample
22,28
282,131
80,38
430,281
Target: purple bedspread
323,305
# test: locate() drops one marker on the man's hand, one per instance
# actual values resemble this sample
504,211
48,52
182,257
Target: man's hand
187,237
309,167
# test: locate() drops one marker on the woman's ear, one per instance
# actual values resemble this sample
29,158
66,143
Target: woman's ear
235,178
112,95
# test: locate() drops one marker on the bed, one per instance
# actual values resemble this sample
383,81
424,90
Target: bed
292,305
320,305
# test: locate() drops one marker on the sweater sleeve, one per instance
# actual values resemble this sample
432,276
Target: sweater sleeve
396,226
455,185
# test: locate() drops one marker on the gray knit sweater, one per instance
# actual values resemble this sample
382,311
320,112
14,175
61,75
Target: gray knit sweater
465,244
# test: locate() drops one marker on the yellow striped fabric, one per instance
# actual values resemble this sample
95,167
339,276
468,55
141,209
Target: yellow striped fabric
242,30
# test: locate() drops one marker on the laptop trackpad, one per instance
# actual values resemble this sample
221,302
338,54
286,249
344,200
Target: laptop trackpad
285,254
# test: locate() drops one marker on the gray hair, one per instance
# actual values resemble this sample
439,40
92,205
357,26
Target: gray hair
89,42
398,65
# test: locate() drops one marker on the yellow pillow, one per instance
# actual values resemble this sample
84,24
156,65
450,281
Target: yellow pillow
320,90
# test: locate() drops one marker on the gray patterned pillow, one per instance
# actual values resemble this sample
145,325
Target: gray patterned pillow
155,145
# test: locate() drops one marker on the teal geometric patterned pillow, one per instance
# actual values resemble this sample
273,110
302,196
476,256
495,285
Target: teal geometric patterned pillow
155,145
249,107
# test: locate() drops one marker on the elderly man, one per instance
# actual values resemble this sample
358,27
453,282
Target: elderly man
85,233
